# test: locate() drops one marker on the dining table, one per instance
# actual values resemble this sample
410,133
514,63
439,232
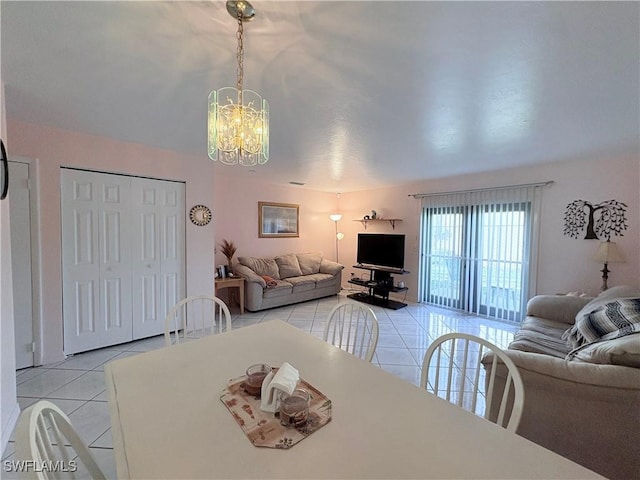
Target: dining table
168,420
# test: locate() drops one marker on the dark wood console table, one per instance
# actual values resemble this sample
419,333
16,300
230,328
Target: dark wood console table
379,285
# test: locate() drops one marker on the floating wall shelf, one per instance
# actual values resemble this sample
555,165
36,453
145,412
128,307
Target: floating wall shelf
392,221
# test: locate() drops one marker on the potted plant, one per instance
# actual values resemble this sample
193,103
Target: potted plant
228,250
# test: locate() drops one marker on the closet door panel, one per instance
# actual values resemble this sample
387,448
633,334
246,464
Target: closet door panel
158,262
146,259
95,252
115,257
173,245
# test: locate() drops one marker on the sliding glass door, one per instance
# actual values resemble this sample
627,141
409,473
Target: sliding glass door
500,278
446,259
476,253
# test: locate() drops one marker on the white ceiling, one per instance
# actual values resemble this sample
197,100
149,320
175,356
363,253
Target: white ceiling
362,94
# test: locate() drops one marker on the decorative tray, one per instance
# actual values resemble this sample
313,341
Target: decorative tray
263,428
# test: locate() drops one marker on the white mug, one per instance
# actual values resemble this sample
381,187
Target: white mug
400,284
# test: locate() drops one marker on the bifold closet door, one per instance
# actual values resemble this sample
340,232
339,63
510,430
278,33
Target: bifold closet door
96,257
158,252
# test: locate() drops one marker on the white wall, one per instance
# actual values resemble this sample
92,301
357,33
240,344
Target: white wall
54,148
565,263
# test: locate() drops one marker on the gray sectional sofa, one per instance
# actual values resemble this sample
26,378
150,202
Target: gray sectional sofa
582,395
286,279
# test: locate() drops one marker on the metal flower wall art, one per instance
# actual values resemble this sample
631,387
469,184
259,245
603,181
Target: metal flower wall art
598,221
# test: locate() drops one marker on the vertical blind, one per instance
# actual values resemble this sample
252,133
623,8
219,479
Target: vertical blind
479,249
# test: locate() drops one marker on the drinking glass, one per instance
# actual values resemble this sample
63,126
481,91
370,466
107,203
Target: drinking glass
294,408
255,376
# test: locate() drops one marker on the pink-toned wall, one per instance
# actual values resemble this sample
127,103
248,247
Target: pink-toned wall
565,263
53,148
235,214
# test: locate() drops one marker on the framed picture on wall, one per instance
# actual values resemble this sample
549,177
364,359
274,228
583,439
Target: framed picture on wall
278,220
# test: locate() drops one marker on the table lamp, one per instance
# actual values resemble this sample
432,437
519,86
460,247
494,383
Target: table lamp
607,252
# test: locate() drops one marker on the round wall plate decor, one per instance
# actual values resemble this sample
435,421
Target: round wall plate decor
4,172
200,215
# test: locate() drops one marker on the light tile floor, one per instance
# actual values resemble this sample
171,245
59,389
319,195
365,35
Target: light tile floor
77,384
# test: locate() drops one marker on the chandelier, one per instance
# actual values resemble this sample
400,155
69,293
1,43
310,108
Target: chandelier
238,118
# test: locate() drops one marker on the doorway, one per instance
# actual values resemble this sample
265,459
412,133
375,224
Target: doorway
20,213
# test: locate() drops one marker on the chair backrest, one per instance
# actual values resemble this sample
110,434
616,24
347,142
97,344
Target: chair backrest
43,432
353,327
452,369
196,317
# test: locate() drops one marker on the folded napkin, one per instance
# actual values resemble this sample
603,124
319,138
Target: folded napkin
271,282
285,380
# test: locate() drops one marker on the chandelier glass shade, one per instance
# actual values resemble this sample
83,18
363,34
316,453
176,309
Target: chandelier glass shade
238,121
238,127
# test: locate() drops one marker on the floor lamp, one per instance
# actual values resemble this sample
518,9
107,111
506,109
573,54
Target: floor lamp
607,252
339,235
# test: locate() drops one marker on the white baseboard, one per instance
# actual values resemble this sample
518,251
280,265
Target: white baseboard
10,424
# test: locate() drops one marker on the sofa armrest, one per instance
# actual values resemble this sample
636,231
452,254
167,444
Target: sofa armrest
332,268
559,308
579,410
249,275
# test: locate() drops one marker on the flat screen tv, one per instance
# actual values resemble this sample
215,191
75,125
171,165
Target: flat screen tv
381,250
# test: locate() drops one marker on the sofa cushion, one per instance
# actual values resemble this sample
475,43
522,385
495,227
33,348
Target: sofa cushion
322,279
620,351
262,266
281,288
309,262
288,266
302,284
541,335
561,308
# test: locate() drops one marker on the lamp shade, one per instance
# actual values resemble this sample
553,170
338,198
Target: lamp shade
608,252
335,217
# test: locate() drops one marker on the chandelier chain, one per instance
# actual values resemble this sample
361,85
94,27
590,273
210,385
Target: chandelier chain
240,52
238,132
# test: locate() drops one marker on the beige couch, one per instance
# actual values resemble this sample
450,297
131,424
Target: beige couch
286,279
584,406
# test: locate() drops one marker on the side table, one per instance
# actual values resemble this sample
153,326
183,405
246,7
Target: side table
229,282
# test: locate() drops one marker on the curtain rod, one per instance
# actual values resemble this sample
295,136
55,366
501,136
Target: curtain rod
422,195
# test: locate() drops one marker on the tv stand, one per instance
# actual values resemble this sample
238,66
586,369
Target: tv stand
379,285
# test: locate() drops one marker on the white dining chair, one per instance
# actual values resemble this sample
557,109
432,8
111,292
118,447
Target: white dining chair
452,369
196,317
353,327
45,436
